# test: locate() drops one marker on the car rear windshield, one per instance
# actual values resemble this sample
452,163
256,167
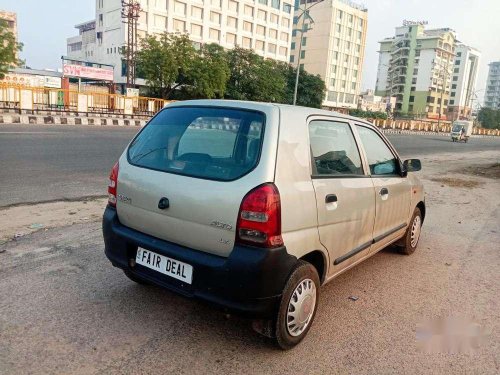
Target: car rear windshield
205,142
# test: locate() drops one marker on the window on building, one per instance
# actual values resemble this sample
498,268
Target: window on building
262,14
232,5
455,78
259,45
248,11
246,42
263,2
332,96
216,3
345,71
335,55
179,25
231,38
340,14
292,46
231,22
417,53
351,18
260,30
415,71
430,99
274,18
457,62
292,58
412,99
348,46
413,81
287,8
214,34
275,4
413,88
304,41
215,17
284,37
179,8
285,22
332,82
454,86
160,21
343,84
459,54
301,66
452,102
453,94
302,54
359,35
196,30
247,26
456,70
346,59
294,33
197,13
273,33
271,47
339,28
283,51
334,69
101,20
353,85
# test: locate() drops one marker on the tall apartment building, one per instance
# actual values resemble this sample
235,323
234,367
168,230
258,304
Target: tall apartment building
262,25
11,19
463,82
334,48
416,66
492,95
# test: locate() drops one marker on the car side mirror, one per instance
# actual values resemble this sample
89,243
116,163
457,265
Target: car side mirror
412,165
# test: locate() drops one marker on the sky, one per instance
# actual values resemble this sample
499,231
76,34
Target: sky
44,25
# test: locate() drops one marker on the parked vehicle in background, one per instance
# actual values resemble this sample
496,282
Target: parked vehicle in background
253,206
461,131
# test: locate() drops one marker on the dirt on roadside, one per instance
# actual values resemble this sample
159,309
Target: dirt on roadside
18,221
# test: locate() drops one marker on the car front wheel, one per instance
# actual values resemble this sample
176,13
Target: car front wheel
298,305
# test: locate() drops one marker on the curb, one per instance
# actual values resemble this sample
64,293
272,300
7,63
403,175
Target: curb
68,120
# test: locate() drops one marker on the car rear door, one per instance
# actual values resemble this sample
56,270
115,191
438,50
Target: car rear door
392,188
184,176
345,196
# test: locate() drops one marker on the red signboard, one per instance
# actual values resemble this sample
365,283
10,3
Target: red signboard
81,71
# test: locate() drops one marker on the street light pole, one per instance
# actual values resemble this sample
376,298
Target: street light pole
303,28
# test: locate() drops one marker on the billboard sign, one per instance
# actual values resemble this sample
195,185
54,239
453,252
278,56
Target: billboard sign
80,71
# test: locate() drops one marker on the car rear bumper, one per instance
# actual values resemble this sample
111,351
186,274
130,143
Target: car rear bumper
249,282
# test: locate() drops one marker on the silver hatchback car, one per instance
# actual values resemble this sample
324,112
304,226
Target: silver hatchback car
253,206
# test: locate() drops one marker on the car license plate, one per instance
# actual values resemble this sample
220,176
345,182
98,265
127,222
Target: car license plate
165,265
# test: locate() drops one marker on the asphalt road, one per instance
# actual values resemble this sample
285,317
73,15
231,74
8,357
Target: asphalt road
65,310
43,163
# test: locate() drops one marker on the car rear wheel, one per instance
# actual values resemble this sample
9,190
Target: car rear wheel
298,306
410,240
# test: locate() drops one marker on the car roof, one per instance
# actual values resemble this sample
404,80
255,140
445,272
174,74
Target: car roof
304,111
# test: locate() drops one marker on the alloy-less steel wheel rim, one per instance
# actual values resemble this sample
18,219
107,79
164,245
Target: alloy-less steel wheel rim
415,231
301,307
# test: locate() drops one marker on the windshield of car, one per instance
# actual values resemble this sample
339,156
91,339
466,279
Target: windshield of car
205,142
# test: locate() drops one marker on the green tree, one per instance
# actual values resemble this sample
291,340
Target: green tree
209,73
254,78
8,49
174,68
310,90
489,118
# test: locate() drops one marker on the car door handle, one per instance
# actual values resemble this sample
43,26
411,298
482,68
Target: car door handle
384,191
331,198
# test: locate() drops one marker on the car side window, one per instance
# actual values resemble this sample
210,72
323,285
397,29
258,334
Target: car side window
380,158
333,149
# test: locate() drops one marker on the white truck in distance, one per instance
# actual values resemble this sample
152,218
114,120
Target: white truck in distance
461,131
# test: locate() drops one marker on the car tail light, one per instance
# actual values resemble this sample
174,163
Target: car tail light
259,218
113,184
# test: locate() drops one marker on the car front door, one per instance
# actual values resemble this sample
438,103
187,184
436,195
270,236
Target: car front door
345,196
392,188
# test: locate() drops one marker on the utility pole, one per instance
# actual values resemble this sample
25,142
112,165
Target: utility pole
130,12
303,28
444,73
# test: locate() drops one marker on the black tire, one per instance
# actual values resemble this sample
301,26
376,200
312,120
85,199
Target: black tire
407,247
134,278
302,272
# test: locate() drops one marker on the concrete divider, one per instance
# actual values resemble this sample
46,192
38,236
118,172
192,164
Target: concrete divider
10,118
